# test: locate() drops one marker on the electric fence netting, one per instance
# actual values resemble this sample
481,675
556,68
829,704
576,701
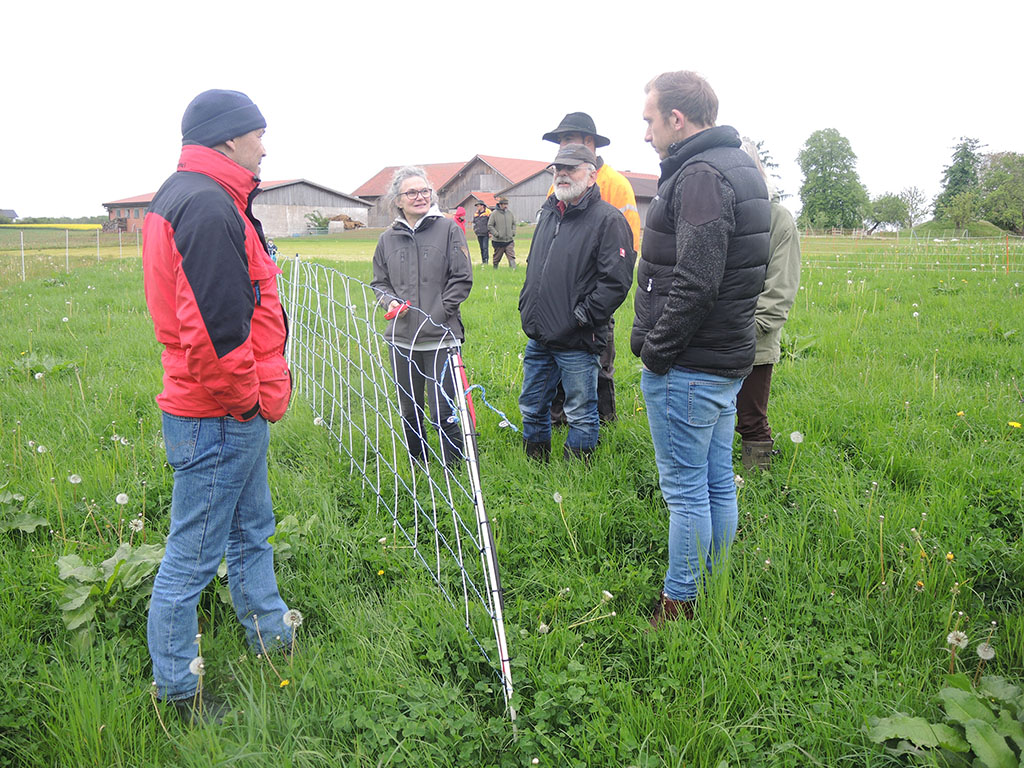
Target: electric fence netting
344,367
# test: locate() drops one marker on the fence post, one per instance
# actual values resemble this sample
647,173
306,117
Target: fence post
22,232
138,250
1007,254
120,247
97,246
67,258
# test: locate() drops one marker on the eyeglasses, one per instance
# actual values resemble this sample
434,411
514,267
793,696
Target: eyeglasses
557,169
412,194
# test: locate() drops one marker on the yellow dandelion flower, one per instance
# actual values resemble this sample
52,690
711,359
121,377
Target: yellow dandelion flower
1014,424
284,683
949,556
959,413
380,572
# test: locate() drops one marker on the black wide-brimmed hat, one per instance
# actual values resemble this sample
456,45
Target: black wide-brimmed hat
577,122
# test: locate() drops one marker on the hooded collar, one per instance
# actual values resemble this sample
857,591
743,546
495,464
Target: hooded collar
238,181
401,223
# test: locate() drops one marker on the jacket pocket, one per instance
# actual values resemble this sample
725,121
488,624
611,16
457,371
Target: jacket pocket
275,387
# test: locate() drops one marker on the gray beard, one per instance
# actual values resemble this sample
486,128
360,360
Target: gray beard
572,193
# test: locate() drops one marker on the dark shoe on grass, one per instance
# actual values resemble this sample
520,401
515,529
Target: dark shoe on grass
201,709
671,610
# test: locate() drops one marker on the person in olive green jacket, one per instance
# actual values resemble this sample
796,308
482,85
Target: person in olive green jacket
780,288
501,225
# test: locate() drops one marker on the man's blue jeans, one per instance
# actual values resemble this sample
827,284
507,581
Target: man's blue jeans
577,368
220,507
691,416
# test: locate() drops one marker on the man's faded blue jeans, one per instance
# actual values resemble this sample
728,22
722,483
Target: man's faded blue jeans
220,507
577,368
691,416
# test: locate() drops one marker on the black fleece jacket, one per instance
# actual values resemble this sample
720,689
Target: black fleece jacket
578,272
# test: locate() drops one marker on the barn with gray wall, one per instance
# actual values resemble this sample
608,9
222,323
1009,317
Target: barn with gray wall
526,197
282,208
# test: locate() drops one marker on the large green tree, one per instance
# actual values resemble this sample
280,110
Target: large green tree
888,210
959,176
1002,190
832,193
917,205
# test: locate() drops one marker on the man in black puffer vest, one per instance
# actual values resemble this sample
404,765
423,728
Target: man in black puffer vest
705,249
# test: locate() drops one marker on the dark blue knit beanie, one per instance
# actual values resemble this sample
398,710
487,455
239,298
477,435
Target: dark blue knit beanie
215,116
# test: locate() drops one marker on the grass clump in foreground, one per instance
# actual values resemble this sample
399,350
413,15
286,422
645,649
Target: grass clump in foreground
896,523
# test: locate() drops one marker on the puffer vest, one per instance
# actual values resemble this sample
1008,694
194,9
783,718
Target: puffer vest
724,344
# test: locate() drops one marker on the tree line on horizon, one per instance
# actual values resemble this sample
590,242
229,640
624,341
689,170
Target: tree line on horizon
976,186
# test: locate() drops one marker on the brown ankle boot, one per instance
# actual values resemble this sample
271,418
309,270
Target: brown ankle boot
671,610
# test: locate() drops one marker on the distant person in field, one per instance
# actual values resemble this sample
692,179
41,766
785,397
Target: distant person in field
460,218
781,284
423,259
701,272
579,128
578,272
271,249
483,237
211,288
501,225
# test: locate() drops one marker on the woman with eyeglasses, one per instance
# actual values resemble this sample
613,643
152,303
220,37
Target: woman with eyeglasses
422,273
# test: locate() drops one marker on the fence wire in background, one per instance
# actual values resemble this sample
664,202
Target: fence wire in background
913,252
38,252
342,366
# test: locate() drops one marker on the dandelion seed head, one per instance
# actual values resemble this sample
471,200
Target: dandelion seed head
40,449
916,314
63,319
74,479
121,498
557,497
124,441
606,596
197,666
796,437
957,638
382,540
292,618
318,421
738,479
38,376
137,524
543,629
986,652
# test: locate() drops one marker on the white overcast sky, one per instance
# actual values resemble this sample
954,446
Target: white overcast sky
93,93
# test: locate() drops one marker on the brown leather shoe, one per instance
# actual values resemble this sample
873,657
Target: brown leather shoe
671,610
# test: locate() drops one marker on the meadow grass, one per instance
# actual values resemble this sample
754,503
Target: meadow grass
856,554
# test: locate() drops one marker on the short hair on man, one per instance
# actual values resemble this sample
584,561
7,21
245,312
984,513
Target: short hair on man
689,93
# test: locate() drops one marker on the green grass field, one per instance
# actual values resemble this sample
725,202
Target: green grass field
898,518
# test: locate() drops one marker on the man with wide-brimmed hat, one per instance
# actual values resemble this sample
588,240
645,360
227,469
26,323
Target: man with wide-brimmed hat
574,283
211,289
579,128
501,225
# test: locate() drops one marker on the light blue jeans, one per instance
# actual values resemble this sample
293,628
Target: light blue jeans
691,417
220,507
577,368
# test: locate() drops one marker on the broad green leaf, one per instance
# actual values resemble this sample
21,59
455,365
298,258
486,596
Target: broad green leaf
74,596
80,617
959,680
998,688
1007,726
989,746
25,521
73,567
110,564
917,730
962,706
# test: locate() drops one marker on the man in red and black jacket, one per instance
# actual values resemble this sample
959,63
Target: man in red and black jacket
211,289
